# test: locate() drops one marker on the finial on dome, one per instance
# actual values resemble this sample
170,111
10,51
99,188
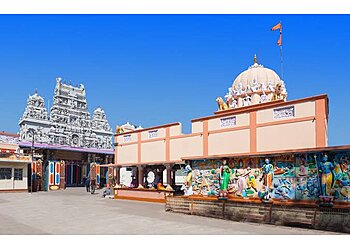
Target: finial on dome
255,59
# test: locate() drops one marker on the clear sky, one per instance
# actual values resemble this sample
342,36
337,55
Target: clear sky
157,69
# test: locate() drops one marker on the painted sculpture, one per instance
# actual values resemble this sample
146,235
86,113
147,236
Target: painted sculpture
327,176
278,94
267,174
119,130
224,179
292,177
187,188
221,104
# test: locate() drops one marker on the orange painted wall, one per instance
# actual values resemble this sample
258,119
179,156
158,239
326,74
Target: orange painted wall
253,129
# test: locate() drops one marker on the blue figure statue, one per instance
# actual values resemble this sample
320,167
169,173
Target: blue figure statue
327,176
267,170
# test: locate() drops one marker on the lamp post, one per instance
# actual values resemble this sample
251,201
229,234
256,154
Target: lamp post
32,154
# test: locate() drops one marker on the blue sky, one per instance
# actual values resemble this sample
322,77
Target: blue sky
156,69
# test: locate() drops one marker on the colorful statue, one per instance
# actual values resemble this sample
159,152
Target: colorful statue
279,93
221,104
188,187
267,170
327,176
224,176
345,187
224,179
119,130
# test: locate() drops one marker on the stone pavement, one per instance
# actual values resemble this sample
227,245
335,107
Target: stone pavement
74,211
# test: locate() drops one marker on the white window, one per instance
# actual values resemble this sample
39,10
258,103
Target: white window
228,122
152,134
283,113
18,174
126,138
5,173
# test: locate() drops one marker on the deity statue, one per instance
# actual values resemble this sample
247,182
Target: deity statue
247,89
263,98
267,170
188,187
327,176
119,130
255,86
58,80
279,93
270,87
240,89
233,103
247,100
224,178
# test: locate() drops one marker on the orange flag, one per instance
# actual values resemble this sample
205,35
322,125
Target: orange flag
279,42
278,27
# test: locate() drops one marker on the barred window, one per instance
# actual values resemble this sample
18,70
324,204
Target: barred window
18,174
5,173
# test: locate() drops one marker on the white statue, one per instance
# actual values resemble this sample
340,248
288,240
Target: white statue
233,104
255,86
247,100
270,87
263,98
240,89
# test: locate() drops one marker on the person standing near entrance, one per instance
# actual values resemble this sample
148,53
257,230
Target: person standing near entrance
87,183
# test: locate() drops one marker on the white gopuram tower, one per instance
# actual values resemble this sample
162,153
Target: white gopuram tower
69,123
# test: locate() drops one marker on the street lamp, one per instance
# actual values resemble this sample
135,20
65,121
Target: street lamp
32,131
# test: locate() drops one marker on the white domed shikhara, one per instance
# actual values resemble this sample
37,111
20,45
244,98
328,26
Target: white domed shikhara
255,85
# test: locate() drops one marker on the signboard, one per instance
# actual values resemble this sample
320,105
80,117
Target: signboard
126,138
283,113
228,122
152,134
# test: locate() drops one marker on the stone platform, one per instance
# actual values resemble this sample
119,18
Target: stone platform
306,215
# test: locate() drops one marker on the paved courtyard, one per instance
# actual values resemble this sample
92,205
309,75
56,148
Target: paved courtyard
73,211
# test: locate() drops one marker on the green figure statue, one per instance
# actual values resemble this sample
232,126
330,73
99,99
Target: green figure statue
224,176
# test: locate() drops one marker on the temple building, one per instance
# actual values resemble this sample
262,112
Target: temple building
67,134
263,145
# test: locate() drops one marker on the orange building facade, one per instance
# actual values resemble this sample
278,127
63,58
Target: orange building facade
254,120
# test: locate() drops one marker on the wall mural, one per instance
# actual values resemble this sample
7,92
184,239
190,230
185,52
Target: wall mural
291,177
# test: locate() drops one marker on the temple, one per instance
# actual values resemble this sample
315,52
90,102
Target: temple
67,137
257,145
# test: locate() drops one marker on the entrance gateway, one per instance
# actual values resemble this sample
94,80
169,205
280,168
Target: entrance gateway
66,136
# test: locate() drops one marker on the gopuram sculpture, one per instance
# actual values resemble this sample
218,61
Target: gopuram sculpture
255,85
69,122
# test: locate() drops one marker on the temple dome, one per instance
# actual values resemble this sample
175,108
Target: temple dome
255,85
256,75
